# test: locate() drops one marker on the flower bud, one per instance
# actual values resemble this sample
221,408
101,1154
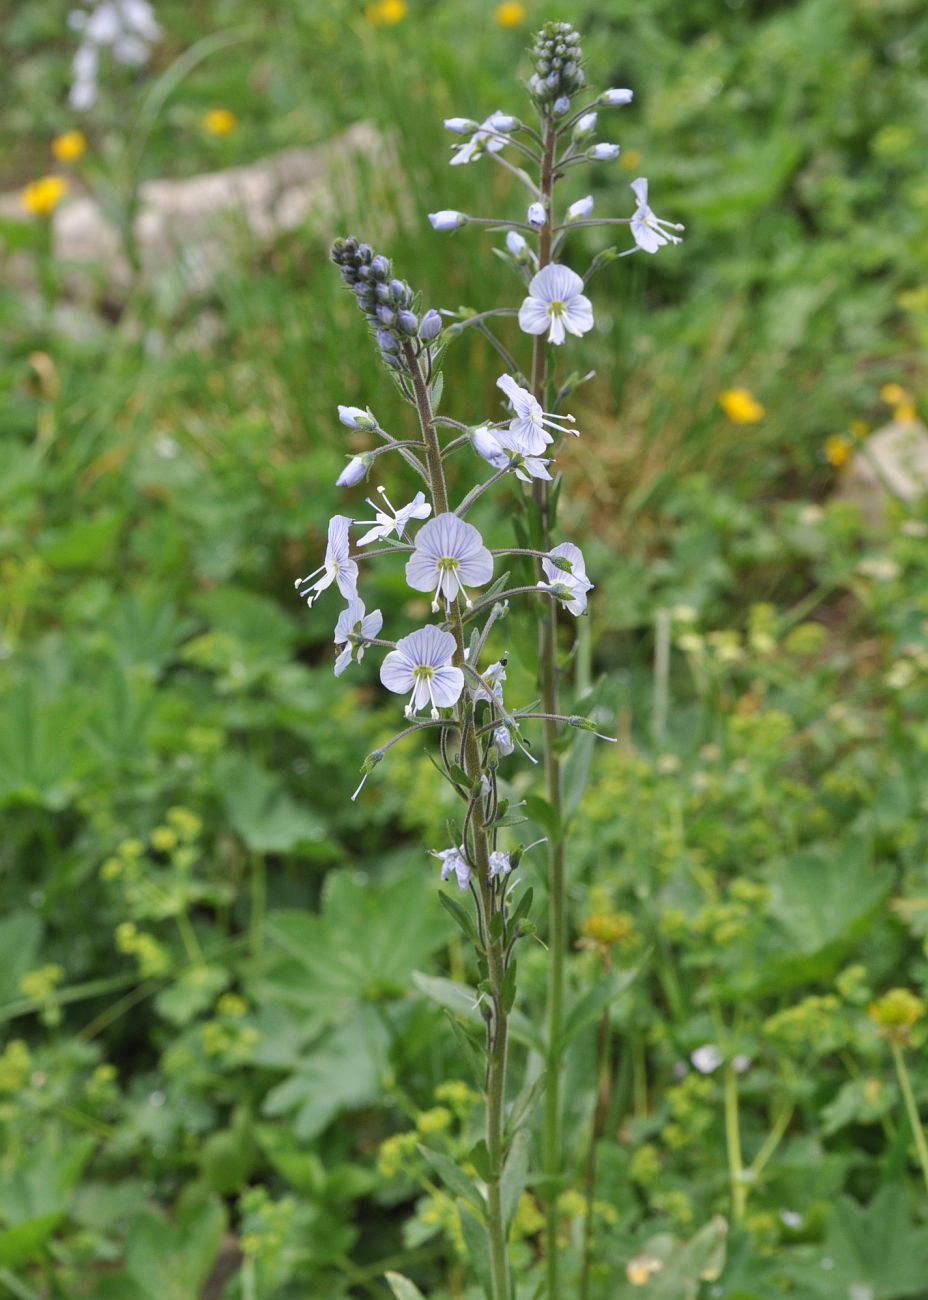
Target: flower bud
603,152
580,210
408,322
353,417
560,106
354,471
447,219
614,98
460,125
385,315
503,741
536,215
485,445
380,267
430,327
386,341
399,290
586,126
504,122
516,244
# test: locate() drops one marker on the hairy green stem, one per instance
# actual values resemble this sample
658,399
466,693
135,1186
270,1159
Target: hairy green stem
918,1132
557,903
497,1043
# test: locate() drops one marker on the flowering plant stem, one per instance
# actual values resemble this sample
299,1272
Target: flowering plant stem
905,1084
497,1028
548,683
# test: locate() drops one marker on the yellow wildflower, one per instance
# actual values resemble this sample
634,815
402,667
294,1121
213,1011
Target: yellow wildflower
895,1013
510,14
70,146
41,197
894,395
607,927
859,429
837,450
640,1269
164,839
219,121
435,1120
386,13
630,160
741,406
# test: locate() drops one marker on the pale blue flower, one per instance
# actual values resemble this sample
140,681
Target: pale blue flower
516,243
339,567
353,630
585,126
500,864
355,417
385,524
453,863
431,326
502,739
648,231
487,138
533,426
536,215
504,449
556,303
486,444
580,210
449,555
707,1058
447,219
421,664
354,471
615,98
603,152
460,125
492,688
565,570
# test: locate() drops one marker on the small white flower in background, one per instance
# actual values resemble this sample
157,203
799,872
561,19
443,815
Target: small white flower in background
556,303
648,231
487,138
453,863
356,417
603,152
580,210
741,1064
354,471
447,219
353,629
533,426
421,665
449,555
536,215
707,1059
460,125
385,524
500,864
503,741
569,584
127,28
586,126
492,688
339,567
616,98
791,1219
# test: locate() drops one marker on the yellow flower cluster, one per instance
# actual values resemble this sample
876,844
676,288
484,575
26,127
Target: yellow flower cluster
510,14
41,197
900,402
70,146
896,1013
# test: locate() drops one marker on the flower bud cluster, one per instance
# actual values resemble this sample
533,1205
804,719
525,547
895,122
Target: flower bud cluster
388,303
558,73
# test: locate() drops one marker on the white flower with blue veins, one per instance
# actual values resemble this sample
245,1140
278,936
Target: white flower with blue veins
504,449
535,428
354,629
556,304
502,739
388,520
448,556
453,863
492,679
648,231
565,570
421,666
339,567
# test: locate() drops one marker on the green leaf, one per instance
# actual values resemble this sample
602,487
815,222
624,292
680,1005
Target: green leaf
20,937
261,812
590,1005
468,1050
460,1000
454,1178
515,1175
192,993
541,812
478,1248
170,1261
461,916
479,1157
402,1288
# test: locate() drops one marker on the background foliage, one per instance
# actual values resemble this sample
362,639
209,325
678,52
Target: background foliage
223,985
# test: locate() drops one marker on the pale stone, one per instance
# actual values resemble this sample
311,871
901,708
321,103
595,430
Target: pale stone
891,463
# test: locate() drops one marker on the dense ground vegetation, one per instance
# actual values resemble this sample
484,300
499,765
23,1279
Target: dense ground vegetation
223,986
